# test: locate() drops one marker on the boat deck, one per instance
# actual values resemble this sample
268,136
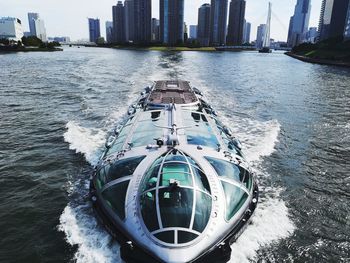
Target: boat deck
178,92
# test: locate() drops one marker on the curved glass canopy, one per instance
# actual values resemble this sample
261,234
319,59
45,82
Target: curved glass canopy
175,199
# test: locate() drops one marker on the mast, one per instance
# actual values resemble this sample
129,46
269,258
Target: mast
266,42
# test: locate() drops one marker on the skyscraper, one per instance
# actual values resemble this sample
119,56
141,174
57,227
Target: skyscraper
94,29
118,23
31,20
142,21
109,31
129,8
246,32
171,21
236,23
299,23
218,22
260,35
193,31
332,18
37,26
347,25
155,30
203,32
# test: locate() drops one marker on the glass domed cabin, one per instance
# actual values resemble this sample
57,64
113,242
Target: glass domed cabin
173,184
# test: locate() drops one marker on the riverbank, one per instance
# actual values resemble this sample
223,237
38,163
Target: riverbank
162,48
7,49
319,60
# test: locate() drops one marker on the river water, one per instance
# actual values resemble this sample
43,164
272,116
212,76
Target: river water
56,110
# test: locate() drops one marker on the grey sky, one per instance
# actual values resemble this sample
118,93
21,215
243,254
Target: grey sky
69,17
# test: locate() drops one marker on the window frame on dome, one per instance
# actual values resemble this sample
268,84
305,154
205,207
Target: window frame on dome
195,192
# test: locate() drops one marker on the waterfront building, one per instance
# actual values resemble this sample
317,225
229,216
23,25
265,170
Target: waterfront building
155,30
311,35
40,29
299,23
218,22
129,9
118,23
31,20
193,31
59,39
347,25
11,28
37,26
142,21
94,29
236,23
332,18
109,31
246,32
260,36
203,32
171,21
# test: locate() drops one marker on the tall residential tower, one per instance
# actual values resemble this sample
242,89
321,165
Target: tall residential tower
203,31
218,22
236,23
299,23
171,21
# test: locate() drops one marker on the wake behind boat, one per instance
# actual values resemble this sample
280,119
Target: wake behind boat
172,184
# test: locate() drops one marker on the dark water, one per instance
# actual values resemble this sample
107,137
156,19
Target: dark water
57,108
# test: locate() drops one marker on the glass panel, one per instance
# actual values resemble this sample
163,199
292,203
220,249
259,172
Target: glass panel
166,236
176,172
118,169
203,210
201,180
225,169
235,198
115,196
149,211
175,205
185,237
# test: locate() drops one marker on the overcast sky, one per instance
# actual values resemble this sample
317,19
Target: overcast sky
69,17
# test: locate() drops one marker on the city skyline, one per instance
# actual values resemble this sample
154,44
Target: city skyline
77,13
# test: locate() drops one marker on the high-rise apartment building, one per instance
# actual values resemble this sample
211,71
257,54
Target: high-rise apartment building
155,30
142,21
246,32
347,25
333,18
203,31
109,31
118,23
171,21
299,23
193,31
31,20
37,26
236,23
218,22
260,35
94,29
129,7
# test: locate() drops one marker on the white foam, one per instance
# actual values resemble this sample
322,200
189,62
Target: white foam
81,229
270,223
86,141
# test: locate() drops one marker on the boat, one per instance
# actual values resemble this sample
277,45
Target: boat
265,50
172,184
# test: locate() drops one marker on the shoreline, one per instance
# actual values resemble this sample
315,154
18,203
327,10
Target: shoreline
14,50
161,48
319,61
